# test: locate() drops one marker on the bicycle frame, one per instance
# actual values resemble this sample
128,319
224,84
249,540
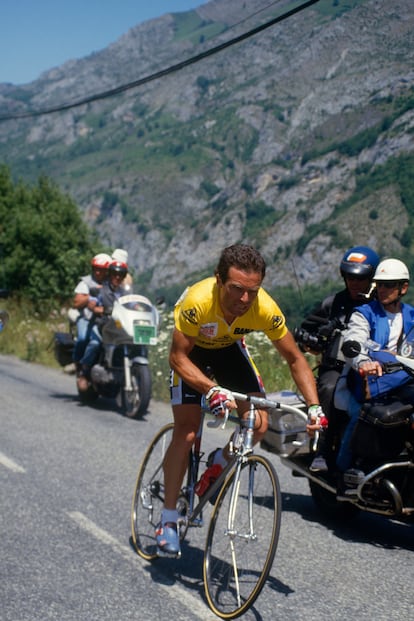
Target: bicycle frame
195,510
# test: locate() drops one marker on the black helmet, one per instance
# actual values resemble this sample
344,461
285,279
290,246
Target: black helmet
359,261
119,268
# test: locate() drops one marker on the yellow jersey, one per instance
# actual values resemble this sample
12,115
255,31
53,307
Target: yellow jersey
198,314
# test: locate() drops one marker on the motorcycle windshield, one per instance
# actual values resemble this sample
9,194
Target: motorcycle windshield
136,303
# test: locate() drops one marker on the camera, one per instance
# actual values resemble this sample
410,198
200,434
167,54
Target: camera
306,339
325,340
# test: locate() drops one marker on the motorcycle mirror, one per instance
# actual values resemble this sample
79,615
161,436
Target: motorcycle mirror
351,349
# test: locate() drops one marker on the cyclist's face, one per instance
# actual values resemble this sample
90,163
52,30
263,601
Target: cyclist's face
238,293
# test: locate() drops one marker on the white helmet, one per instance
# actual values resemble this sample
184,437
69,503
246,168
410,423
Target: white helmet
391,269
101,260
120,255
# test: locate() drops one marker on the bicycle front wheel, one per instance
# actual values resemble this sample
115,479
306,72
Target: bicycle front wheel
242,537
148,499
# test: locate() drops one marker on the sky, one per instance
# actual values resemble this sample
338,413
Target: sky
37,35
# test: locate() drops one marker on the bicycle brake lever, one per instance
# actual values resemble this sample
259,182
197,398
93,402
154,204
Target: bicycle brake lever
218,421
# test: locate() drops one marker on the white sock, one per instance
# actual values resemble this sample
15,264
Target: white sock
169,515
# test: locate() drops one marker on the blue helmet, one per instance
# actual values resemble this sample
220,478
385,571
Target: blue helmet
359,261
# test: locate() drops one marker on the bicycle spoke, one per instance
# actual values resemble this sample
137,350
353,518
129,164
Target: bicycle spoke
242,538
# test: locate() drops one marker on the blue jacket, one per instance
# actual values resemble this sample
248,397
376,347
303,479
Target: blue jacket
380,333
376,316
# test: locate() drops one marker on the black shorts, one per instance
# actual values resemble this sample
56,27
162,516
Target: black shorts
231,367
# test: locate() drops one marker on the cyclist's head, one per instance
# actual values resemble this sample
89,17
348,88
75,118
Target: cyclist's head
243,257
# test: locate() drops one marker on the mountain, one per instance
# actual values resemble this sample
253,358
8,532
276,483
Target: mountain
297,139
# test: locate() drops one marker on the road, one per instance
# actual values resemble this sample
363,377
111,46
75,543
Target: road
67,476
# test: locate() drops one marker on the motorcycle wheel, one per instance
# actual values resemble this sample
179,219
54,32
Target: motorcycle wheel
328,505
135,403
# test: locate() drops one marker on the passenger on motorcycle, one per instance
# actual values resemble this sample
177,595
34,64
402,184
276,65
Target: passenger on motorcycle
84,301
386,321
102,307
119,254
321,333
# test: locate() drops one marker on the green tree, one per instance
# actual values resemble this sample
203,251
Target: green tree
45,245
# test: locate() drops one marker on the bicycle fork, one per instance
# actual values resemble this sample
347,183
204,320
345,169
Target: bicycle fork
232,532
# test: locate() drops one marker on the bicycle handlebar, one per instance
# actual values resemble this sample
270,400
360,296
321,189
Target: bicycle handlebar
264,402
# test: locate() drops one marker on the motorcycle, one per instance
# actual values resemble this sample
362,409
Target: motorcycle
381,480
122,371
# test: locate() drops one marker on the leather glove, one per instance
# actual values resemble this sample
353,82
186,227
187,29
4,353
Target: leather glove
217,398
316,417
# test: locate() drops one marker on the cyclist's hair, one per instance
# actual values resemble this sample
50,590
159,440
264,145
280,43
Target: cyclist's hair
243,257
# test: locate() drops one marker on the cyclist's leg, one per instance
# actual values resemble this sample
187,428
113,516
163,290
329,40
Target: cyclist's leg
186,424
187,416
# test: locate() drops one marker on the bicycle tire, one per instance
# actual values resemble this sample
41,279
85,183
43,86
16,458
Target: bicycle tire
230,593
148,499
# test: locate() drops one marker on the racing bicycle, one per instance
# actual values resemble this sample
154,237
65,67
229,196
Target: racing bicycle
243,529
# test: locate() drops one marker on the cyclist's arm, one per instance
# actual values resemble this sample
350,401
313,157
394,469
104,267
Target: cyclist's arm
180,362
299,368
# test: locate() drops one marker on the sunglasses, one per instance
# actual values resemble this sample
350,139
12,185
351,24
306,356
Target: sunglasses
388,284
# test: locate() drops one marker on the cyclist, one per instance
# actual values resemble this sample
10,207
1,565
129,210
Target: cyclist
326,323
211,319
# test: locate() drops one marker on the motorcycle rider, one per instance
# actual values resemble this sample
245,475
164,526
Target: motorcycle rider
326,324
101,308
385,321
86,292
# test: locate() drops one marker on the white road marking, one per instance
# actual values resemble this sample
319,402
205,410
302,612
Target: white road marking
192,603
10,464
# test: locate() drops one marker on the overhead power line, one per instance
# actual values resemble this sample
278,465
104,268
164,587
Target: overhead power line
163,72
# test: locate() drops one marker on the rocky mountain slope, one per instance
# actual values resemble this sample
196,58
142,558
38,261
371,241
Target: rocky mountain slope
286,140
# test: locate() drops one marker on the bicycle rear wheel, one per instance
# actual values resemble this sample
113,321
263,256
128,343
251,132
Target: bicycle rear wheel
148,499
242,537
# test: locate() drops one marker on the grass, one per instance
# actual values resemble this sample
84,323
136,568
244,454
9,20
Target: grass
31,338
